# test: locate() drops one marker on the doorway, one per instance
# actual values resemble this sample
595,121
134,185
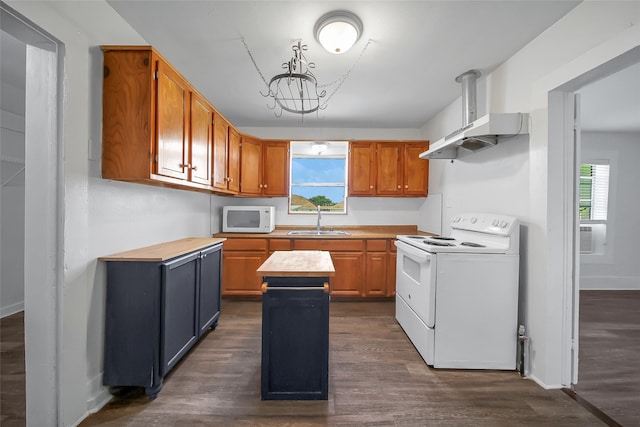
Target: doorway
564,142
609,321
41,192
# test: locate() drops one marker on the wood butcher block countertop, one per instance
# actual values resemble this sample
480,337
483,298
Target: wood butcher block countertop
356,232
165,251
297,264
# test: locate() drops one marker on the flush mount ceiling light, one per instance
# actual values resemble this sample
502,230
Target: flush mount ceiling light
319,147
338,30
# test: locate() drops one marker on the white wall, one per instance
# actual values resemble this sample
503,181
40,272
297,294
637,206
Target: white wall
12,177
618,267
590,35
100,217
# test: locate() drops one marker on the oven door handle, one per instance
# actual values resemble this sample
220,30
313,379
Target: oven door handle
415,254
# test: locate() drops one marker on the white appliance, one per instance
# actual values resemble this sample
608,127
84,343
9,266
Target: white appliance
457,295
248,219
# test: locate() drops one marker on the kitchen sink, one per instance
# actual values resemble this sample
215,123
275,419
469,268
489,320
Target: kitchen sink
319,233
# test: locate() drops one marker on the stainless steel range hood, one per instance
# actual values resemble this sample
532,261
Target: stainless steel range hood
476,134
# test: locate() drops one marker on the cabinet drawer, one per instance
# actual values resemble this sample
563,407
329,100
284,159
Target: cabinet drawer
279,244
329,245
376,245
245,245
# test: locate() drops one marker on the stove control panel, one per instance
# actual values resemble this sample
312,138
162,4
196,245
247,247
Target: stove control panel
503,225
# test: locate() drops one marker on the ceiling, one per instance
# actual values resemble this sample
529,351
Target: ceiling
404,77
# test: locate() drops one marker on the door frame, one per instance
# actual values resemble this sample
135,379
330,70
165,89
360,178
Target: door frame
562,124
43,277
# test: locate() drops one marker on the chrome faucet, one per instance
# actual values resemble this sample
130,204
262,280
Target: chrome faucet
318,227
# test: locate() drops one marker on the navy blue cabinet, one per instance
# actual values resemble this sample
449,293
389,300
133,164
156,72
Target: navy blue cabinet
155,312
295,339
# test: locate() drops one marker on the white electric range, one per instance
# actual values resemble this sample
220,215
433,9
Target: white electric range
457,295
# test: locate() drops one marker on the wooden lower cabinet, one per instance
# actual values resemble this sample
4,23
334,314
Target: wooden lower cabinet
240,260
376,268
365,268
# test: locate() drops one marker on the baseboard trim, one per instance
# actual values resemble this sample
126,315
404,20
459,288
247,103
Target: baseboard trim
610,283
11,309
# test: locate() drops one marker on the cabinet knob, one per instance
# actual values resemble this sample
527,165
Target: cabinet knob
195,168
399,186
183,165
406,186
264,186
371,187
260,186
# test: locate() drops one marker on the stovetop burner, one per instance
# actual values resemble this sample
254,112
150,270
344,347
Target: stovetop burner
441,238
473,245
416,237
438,243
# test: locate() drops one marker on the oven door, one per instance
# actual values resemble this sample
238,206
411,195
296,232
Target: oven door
416,281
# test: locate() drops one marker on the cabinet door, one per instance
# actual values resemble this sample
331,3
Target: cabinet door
220,143
362,171
201,140
239,272
233,161
348,280
275,168
416,170
389,168
209,298
376,276
179,329
250,166
172,122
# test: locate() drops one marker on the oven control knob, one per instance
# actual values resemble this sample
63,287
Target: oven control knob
473,220
495,222
503,224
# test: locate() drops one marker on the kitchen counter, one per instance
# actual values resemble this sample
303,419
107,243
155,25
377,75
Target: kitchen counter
356,232
164,251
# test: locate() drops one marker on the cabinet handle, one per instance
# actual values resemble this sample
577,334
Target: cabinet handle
195,168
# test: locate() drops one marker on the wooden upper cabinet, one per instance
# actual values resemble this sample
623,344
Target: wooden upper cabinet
226,156
416,170
250,166
172,130
233,161
362,168
388,168
264,167
201,139
275,168
220,143
156,129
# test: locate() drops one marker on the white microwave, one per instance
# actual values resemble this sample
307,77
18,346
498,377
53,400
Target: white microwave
248,219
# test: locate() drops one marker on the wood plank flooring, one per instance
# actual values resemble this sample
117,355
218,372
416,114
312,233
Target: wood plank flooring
609,364
376,378
12,372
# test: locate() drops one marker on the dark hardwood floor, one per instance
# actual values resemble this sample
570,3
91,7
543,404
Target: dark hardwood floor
609,358
376,378
12,389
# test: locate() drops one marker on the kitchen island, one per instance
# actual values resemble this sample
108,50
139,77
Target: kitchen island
295,325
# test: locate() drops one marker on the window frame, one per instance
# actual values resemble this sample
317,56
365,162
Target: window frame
304,152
